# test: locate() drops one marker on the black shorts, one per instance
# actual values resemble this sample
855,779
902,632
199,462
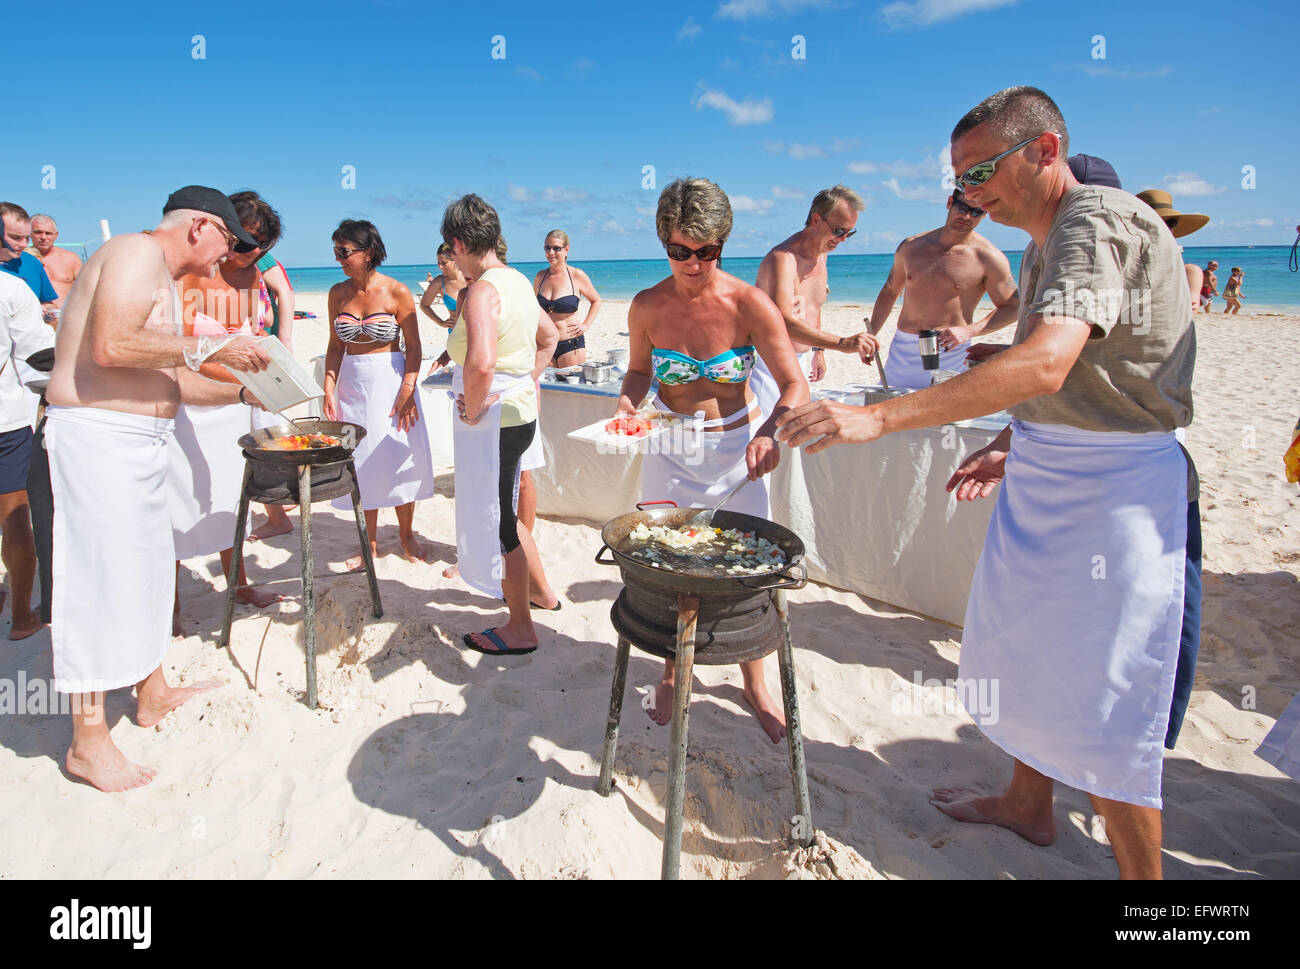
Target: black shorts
15,459
514,442
568,346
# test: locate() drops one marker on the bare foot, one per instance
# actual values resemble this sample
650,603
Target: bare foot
661,709
963,805
157,704
770,715
22,628
102,765
412,550
451,571
256,597
270,528
358,562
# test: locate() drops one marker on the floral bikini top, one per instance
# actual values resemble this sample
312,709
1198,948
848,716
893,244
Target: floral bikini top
728,367
375,328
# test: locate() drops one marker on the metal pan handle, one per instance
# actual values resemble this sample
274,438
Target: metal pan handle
641,505
601,561
787,581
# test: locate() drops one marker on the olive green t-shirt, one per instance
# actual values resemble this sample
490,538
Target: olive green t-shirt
1109,261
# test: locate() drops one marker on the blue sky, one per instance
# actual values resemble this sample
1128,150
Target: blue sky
557,133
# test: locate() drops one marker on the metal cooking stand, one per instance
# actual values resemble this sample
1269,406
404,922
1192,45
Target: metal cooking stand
303,500
688,608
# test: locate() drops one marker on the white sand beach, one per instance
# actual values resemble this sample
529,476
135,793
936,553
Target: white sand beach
425,760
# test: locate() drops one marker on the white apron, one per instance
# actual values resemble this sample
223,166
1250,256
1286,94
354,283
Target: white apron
1281,747
904,369
206,473
393,467
478,476
695,468
763,384
535,456
112,555
1076,607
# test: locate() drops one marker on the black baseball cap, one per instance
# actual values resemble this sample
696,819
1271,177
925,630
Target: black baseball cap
1091,170
200,198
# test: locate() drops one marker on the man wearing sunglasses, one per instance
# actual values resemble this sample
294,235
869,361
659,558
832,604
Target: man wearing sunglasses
794,275
942,275
1076,608
120,373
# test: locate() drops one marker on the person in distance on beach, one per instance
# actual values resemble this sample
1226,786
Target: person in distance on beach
60,265
121,371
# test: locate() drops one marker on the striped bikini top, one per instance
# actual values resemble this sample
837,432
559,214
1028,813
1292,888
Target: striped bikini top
375,328
728,367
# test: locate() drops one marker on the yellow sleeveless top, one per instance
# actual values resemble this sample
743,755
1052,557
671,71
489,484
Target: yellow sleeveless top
516,338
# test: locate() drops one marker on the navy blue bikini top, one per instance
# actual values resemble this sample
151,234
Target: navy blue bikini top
562,306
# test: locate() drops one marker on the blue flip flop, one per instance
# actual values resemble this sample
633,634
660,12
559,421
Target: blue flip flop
501,648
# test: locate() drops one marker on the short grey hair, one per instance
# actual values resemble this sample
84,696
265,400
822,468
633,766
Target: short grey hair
474,222
1016,114
695,207
824,202
42,217
182,217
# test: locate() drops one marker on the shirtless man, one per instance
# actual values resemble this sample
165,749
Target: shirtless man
1209,287
942,275
120,374
793,273
60,265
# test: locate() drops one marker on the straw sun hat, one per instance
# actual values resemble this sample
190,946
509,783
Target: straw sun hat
1180,223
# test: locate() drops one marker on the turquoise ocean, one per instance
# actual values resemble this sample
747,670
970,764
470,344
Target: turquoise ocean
1269,285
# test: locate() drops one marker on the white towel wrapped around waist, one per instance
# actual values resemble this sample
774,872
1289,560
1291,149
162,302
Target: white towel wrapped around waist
112,554
393,467
207,472
1076,607
763,384
904,368
478,476
695,467
1281,747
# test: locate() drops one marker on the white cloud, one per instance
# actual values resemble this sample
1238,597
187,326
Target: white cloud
555,194
788,192
923,13
929,167
743,203
1247,224
528,72
745,9
519,193
1094,69
604,224
737,112
1189,183
844,144
912,193
645,210
806,151
774,147
690,30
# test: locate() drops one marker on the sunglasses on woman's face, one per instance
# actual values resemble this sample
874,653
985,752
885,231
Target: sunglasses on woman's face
704,254
980,173
342,253
553,248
